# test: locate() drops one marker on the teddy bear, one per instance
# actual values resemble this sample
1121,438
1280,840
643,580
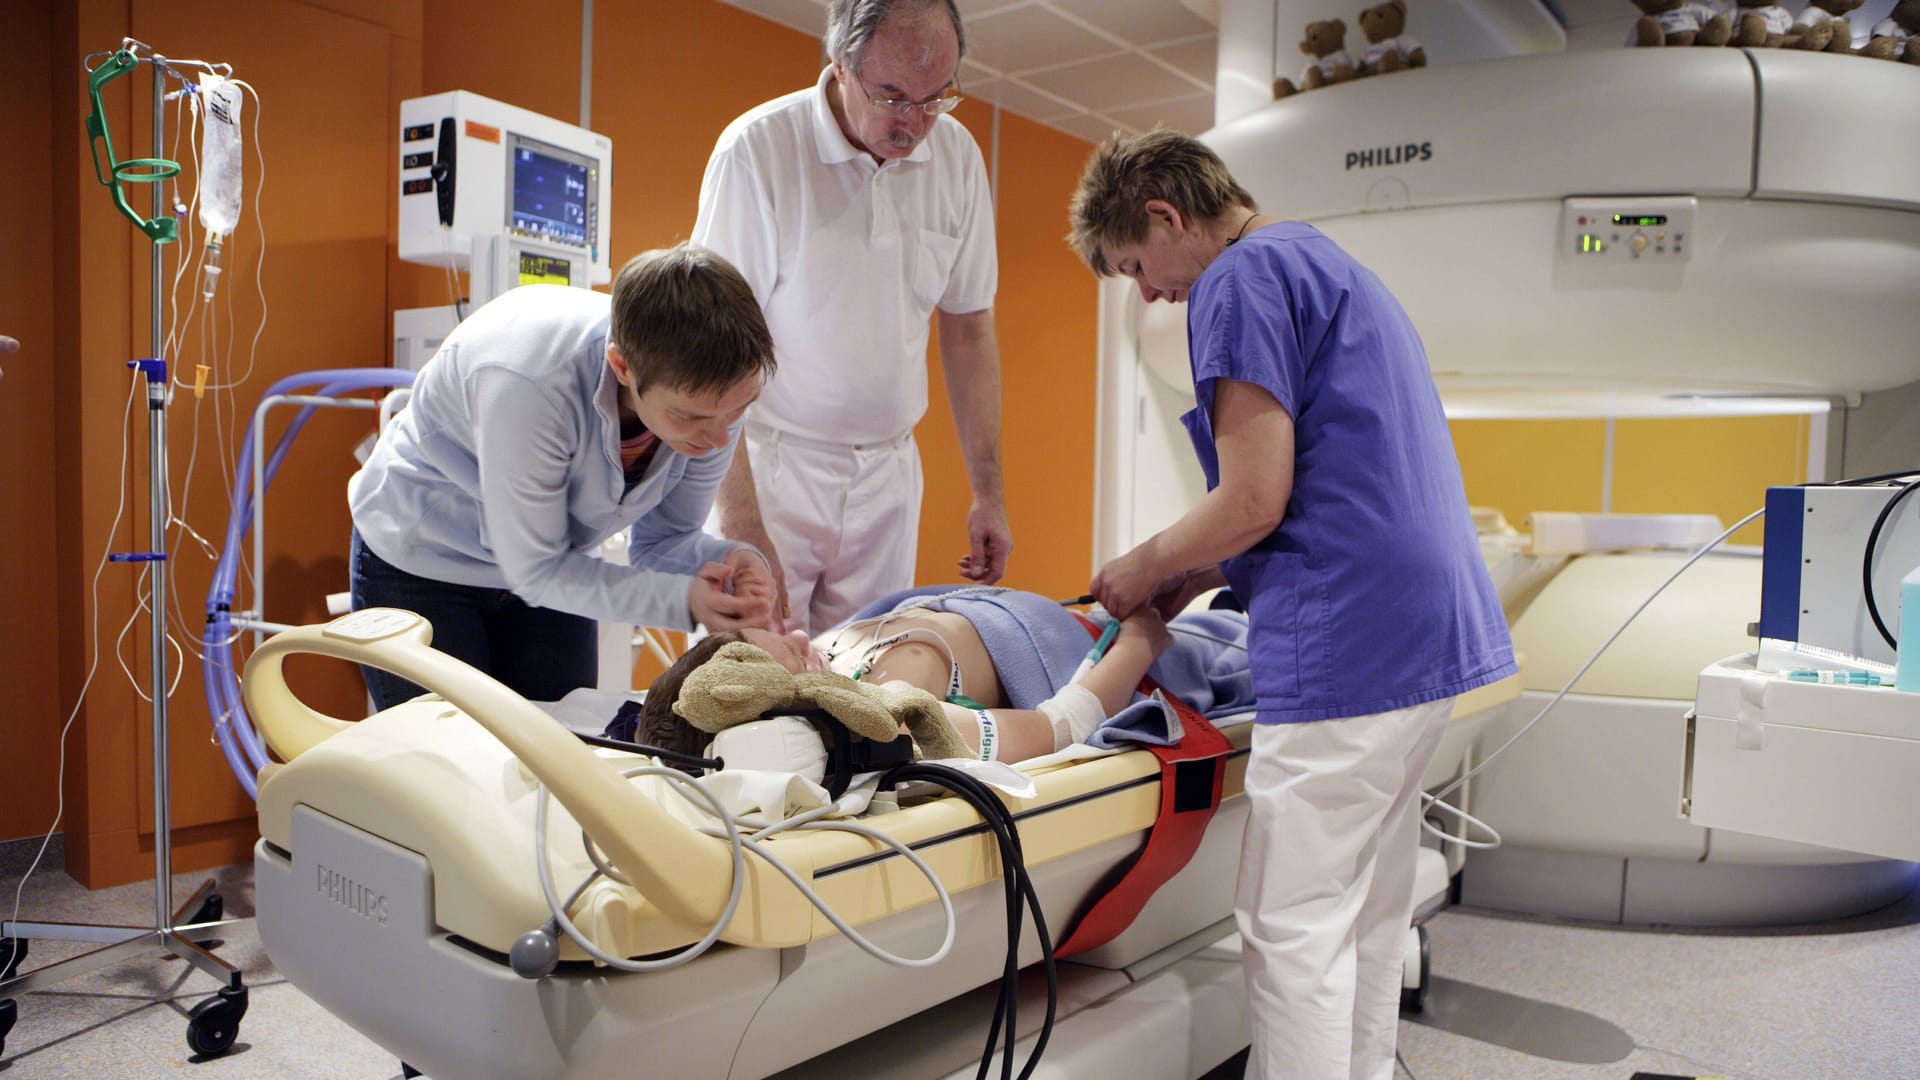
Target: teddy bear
739,682
1389,49
1329,62
1832,15
1764,24
1896,37
1679,22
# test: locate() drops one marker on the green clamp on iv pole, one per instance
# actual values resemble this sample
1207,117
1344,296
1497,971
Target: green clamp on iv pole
161,230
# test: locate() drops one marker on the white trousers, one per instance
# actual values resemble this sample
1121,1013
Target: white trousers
1326,889
846,519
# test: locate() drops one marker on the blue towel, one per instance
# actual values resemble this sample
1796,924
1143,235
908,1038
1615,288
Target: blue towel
1036,644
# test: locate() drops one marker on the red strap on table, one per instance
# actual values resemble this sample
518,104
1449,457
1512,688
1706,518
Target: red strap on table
1192,773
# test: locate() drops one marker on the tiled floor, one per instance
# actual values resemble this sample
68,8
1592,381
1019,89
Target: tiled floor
1511,998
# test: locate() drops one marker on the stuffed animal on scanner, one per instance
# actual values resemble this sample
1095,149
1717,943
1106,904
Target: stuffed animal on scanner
1389,47
1328,62
740,682
1832,14
1679,22
1762,24
1896,37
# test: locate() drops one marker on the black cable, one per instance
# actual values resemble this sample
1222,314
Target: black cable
1020,894
673,756
1858,480
1866,562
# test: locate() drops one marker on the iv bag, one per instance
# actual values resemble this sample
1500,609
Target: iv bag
219,101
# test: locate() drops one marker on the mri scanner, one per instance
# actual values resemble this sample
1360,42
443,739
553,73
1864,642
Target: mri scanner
395,871
1625,233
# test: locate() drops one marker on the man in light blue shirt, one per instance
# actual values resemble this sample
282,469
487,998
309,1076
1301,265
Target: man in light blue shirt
551,419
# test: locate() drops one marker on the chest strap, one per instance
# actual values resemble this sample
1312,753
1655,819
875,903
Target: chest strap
1192,774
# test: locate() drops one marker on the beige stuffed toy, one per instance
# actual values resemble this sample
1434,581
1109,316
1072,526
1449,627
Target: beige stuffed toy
1328,61
739,682
1389,47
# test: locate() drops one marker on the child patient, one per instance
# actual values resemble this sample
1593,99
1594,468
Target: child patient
956,647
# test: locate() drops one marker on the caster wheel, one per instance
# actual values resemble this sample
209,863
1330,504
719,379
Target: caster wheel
12,951
215,1023
1416,973
9,1012
210,910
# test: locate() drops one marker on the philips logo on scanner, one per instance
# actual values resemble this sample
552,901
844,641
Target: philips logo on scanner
1404,154
352,895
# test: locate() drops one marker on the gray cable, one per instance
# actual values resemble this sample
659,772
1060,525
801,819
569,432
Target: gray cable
730,831
1595,658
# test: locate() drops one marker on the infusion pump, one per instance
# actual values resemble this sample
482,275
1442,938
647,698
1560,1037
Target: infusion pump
507,195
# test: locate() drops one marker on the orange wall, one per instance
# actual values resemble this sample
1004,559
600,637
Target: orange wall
326,74
29,529
1045,313
332,74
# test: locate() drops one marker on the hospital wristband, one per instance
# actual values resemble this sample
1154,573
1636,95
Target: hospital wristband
989,736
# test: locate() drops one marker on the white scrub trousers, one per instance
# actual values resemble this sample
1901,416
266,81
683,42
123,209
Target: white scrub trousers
1326,889
846,519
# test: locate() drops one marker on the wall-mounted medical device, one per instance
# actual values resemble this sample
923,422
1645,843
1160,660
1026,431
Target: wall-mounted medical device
508,195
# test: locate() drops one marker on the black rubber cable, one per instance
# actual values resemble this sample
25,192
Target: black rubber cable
1020,895
1866,562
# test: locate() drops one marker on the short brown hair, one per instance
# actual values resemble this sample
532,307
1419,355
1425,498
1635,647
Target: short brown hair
659,725
1110,205
683,316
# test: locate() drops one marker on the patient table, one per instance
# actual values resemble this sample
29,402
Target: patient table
397,867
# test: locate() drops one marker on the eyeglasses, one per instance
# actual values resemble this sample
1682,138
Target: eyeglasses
933,107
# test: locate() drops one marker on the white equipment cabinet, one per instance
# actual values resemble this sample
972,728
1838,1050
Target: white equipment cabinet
1822,764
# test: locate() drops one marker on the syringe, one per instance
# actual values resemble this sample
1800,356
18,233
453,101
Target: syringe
1099,649
1839,678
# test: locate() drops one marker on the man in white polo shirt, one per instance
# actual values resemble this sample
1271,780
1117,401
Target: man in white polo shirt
855,208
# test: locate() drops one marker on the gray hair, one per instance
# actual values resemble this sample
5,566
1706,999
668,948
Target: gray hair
1109,207
852,23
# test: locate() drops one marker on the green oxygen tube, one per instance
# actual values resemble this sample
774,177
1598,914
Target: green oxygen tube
161,230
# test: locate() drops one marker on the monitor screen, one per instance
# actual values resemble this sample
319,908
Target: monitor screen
555,193
544,270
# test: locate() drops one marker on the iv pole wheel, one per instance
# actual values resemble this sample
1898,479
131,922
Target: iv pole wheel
215,1023
209,910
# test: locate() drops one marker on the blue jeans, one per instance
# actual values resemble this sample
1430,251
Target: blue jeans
539,653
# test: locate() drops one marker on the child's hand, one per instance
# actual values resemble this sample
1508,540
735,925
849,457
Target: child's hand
715,604
1146,625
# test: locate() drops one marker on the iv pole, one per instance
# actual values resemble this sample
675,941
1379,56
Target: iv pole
214,1023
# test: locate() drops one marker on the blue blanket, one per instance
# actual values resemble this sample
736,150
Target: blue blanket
1036,644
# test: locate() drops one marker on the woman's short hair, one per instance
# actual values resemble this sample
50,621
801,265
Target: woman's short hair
685,317
1110,205
659,725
